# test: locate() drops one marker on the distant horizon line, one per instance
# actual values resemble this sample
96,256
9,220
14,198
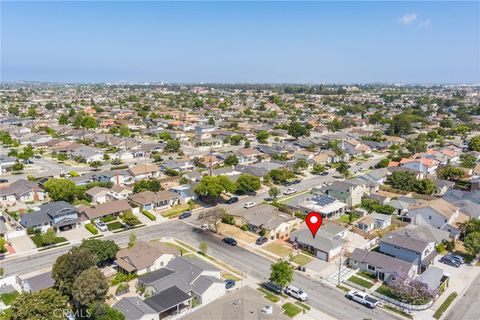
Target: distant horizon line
202,83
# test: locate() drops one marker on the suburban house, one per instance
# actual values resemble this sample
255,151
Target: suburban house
38,282
204,131
424,165
374,221
89,154
98,194
145,257
58,215
247,155
426,233
259,169
119,192
439,214
328,207
442,186
326,245
173,288
149,200
185,191
382,266
23,191
347,192
277,225
409,249
112,208
354,147
177,165
145,171
6,164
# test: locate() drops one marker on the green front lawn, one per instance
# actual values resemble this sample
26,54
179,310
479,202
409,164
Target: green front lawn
114,225
173,245
301,259
84,202
38,240
8,298
175,211
278,249
268,295
361,282
291,310
345,218
445,305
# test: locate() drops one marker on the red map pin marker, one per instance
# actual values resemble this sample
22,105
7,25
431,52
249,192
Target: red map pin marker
313,221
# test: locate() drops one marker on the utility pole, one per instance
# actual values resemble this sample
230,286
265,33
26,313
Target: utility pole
340,267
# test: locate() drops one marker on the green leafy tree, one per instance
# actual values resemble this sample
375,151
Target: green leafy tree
129,218
41,305
274,192
132,240
297,130
318,168
17,166
401,124
235,139
211,121
102,311
104,250
280,176
300,165
231,160
450,173
281,273
472,243
49,237
26,153
61,189
172,146
90,286
247,183
383,163
63,119
165,136
153,185
212,187
468,160
262,136
474,143
69,266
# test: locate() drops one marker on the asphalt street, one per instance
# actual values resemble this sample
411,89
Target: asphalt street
467,307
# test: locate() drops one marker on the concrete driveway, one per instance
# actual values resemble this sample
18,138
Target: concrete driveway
23,244
75,236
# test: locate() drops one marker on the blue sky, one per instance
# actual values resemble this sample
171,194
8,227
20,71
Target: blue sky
294,42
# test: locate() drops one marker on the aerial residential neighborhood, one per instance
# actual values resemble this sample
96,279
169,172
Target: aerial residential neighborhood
240,160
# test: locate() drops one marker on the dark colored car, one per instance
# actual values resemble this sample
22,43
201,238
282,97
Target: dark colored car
2,256
324,173
3,180
230,241
185,215
232,200
297,181
261,240
272,287
229,284
450,262
457,258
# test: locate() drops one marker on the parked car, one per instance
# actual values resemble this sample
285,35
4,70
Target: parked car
324,173
2,256
249,205
37,156
3,180
289,191
301,268
296,293
229,284
272,287
230,241
101,226
362,298
457,258
297,181
232,200
261,240
450,261
185,215
267,310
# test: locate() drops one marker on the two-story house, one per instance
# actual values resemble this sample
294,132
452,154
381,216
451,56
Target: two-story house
439,214
247,155
347,192
409,248
423,165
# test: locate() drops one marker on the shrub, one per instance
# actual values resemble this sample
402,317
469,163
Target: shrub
262,232
107,219
228,219
121,288
30,231
244,227
90,227
450,246
122,277
440,247
149,215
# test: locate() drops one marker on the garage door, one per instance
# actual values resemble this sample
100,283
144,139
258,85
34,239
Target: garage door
322,255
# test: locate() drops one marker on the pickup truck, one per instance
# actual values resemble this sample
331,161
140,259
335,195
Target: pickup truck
362,298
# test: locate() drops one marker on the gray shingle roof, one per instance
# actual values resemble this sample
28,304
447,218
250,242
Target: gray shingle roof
133,308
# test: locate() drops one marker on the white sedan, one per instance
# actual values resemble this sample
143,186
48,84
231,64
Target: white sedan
249,205
289,191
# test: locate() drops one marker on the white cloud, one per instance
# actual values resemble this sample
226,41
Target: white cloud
408,18
425,23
